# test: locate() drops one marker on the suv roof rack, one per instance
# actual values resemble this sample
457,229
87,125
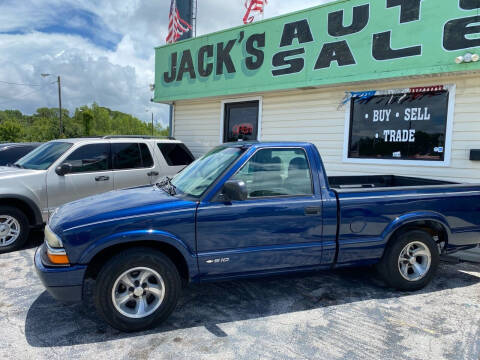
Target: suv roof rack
137,137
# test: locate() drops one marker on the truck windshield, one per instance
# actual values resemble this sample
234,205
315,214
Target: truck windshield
45,155
199,175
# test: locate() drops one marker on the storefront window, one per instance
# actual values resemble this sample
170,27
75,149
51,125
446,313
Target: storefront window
241,121
403,126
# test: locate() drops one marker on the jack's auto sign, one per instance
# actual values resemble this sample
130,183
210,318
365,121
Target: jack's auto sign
344,41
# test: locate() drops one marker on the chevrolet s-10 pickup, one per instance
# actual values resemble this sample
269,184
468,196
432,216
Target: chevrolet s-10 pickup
250,209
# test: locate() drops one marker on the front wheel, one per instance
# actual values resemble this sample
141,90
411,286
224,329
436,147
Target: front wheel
137,289
14,229
410,261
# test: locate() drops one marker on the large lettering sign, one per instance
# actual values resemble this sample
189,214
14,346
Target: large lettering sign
341,42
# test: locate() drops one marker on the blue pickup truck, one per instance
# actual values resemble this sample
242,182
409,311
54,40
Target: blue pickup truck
250,209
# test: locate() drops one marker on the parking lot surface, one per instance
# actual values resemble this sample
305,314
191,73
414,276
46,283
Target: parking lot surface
344,314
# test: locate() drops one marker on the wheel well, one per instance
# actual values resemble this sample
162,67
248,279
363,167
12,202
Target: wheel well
434,228
20,205
170,251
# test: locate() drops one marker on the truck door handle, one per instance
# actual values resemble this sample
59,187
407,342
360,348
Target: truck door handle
153,173
313,210
102,178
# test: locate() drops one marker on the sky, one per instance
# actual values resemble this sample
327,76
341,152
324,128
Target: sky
102,49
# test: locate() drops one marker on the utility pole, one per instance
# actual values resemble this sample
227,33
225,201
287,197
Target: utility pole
59,100
170,122
60,105
152,124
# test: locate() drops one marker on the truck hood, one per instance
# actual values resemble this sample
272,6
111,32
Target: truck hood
7,172
113,206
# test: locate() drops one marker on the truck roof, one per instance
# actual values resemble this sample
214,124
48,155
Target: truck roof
267,144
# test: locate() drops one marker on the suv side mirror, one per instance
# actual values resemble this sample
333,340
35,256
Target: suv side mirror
235,190
63,169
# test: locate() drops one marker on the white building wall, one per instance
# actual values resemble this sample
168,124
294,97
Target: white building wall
313,115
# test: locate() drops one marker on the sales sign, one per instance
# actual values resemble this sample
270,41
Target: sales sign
344,41
403,126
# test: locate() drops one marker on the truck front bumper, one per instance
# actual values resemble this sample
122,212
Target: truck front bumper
63,283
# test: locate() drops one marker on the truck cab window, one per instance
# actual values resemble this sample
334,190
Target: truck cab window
277,172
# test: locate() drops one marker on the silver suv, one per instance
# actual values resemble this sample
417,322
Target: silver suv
61,171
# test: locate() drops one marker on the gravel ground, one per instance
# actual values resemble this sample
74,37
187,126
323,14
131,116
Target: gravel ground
330,315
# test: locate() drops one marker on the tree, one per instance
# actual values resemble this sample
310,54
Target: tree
87,120
10,131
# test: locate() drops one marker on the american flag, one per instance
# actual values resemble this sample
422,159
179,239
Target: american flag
253,7
176,25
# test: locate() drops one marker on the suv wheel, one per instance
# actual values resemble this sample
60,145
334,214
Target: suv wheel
137,289
411,261
14,229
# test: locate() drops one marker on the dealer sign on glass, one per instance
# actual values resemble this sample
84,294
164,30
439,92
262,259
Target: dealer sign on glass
343,41
407,126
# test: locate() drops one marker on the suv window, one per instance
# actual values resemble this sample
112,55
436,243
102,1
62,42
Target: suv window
277,172
176,154
90,158
146,155
129,156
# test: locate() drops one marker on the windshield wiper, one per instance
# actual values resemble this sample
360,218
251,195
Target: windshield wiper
166,185
18,166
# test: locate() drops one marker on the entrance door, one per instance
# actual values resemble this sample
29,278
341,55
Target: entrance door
241,121
279,226
91,174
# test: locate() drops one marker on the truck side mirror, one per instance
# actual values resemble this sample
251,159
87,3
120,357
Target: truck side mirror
235,190
63,169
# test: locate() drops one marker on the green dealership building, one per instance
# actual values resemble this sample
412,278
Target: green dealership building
379,86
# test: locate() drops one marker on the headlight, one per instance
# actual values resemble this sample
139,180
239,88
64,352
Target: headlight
52,239
55,251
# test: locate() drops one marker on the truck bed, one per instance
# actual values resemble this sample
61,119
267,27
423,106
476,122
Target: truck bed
381,181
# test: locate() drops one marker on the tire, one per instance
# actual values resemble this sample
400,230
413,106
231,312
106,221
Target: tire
116,281
14,229
397,269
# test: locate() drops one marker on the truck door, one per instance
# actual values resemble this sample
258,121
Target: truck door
90,174
278,227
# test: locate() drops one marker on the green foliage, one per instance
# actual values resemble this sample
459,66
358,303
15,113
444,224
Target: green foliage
10,131
95,120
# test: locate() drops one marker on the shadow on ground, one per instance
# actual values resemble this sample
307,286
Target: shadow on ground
35,238
50,324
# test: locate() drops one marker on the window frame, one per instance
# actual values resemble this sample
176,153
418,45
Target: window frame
140,151
312,184
425,163
240,100
149,152
110,164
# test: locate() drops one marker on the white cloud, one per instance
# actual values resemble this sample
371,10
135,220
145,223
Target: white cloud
118,79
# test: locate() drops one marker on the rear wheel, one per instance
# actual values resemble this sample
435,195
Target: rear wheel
410,261
14,229
137,289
